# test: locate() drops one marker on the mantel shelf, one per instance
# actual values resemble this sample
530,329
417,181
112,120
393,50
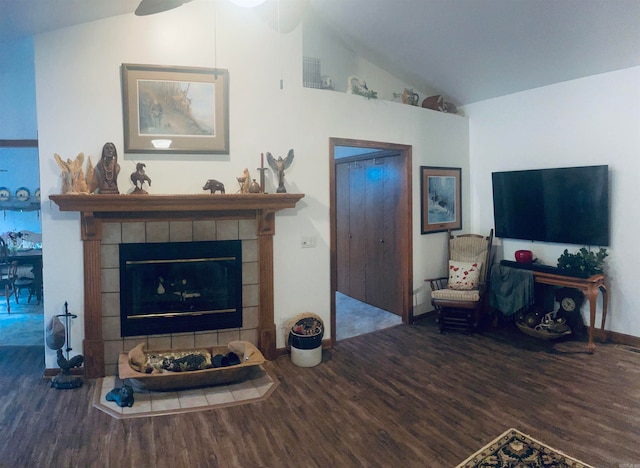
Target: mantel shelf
174,203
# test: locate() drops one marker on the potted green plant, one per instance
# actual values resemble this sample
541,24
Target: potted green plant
583,263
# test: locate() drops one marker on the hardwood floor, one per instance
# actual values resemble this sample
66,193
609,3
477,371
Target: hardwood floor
400,397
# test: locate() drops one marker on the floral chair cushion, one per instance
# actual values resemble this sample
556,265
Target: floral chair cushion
464,275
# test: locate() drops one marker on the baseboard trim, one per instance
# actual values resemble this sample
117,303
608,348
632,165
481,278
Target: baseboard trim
425,315
49,373
606,336
601,336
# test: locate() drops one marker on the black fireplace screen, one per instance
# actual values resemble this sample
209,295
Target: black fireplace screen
180,287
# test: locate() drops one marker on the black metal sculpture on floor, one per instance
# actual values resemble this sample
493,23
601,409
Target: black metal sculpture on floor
64,379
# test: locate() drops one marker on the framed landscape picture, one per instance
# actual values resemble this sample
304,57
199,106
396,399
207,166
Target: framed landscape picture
441,192
175,109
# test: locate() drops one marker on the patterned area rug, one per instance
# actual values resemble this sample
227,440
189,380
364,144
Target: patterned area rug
515,449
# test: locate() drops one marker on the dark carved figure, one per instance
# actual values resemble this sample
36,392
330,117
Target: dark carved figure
214,186
122,396
67,364
107,170
139,178
65,379
279,165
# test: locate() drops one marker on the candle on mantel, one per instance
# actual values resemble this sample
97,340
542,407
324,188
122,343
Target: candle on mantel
261,173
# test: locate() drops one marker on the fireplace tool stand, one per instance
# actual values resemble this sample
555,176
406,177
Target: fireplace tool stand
64,379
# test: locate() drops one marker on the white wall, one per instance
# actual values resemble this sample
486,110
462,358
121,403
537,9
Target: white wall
590,121
339,61
79,109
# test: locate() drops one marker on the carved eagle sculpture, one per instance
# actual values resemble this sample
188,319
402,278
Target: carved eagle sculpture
139,178
279,165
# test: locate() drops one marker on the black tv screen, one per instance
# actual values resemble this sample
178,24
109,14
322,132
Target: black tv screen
566,205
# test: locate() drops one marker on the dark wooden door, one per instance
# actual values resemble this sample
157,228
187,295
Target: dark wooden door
368,194
342,228
391,289
350,219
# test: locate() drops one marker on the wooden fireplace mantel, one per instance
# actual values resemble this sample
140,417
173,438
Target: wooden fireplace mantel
168,203
94,209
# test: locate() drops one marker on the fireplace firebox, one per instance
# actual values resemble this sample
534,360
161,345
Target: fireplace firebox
178,287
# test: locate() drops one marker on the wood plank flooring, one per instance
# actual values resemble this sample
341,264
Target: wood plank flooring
401,397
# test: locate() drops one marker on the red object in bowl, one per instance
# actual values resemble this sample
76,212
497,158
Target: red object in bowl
524,256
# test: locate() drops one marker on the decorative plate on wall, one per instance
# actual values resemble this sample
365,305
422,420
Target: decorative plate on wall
22,194
4,194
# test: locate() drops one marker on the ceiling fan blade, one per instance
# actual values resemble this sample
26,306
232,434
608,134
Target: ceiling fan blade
151,7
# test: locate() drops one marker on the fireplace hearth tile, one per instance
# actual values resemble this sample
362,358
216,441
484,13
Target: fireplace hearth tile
183,340
227,336
204,339
227,230
219,395
247,229
148,404
157,231
110,280
192,399
164,402
243,391
250,251
109,256
111,304
204,230
143,403
133,232
111,233
180,231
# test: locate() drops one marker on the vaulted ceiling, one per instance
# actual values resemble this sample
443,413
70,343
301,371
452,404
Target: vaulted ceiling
469,50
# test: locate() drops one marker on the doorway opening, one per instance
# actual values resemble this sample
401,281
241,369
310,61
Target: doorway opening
20,228
371,253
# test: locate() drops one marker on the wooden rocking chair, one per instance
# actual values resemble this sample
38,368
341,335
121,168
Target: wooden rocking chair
459,298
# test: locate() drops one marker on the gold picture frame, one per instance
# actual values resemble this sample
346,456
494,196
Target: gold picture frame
441,198
170,109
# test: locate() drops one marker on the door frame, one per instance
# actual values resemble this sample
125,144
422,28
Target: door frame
405,227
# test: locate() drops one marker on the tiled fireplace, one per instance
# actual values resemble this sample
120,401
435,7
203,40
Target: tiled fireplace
113,234
106,221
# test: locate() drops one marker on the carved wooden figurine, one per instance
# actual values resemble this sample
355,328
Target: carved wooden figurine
73,179
244,181
107,170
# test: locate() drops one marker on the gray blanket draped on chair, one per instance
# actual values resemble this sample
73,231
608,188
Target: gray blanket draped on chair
512,289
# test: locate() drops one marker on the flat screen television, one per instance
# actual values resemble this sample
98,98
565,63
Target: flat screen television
564,205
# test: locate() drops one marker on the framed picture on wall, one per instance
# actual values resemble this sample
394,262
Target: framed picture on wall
441,195
175,109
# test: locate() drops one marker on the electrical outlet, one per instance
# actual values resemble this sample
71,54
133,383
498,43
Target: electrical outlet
308,242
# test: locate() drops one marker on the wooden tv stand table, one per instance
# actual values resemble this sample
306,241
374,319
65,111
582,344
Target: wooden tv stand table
589,286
